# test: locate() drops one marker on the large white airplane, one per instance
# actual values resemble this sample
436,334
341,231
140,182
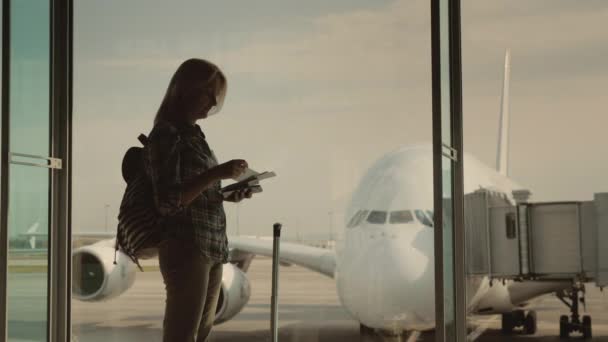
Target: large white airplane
384,266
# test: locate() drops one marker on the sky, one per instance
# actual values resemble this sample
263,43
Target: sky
320,90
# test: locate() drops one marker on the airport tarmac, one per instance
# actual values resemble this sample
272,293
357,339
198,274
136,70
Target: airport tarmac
309,311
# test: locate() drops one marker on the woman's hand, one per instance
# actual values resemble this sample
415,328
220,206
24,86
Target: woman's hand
203,181
231,169
239,195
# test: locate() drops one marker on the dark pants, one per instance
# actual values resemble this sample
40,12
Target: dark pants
192,282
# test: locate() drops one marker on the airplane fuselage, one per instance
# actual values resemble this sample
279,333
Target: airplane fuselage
385,262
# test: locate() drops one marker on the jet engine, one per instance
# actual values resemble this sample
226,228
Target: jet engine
234,293
95,277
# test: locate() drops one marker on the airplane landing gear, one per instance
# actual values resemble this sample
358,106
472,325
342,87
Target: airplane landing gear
574,323
530,323
519,318
366,333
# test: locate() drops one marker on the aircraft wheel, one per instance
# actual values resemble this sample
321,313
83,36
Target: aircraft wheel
587,327
530,323
564,329
519,316
366,333
508,323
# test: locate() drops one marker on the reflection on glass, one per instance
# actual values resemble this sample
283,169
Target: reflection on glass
28,225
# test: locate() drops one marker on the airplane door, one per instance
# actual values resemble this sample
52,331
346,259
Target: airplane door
504,241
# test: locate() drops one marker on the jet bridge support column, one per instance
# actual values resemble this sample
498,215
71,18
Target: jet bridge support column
601,205
574,323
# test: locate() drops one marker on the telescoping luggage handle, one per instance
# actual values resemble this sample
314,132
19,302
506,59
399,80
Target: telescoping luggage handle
274,314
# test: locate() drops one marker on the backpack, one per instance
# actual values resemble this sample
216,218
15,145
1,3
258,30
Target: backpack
139,224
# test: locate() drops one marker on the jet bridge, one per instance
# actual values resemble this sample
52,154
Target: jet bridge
552,241
537,241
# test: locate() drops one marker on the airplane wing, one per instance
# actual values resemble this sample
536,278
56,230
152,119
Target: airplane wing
316,259
94,235
84,235
32,236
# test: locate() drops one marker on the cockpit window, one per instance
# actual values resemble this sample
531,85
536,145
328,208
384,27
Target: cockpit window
401,216
420,215
377,217
351,223
357,218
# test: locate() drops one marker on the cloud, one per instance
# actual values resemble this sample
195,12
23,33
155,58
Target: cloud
344,88
358,45
383,45
550,40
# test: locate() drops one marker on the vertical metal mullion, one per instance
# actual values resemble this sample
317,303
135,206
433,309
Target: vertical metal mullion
52,227
457,189
458,175
437,170
4,165
61,77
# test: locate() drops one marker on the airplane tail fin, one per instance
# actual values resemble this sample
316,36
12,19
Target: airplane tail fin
502,155
32,230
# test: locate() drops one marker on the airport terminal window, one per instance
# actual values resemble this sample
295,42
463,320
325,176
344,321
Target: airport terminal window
377,217
292,67
401,216
420,215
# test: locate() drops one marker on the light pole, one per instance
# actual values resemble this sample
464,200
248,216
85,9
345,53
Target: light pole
298,237
331,224
106,207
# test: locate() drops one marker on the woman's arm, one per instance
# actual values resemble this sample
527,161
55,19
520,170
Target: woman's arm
230,169
171,193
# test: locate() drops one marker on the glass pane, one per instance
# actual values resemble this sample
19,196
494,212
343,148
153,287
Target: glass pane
554,120
334,96
28,253
27,289
30,77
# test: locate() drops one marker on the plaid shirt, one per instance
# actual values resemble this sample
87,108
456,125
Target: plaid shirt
174,155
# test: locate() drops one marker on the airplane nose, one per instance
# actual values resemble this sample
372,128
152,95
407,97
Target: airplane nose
391,282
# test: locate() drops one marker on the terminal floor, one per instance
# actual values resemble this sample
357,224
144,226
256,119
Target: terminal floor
309,311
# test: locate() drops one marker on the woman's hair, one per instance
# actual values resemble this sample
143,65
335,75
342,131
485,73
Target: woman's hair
191,75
